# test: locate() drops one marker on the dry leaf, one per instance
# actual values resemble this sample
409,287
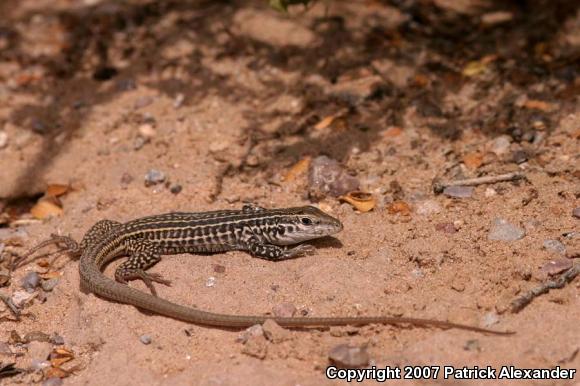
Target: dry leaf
400,207
473,160
362,201
50,275
298,168
421,80
325,122
55,372
56,190
45,208
477,67
534,104
393,131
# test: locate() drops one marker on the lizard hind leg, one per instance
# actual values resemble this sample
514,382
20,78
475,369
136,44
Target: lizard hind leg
142,256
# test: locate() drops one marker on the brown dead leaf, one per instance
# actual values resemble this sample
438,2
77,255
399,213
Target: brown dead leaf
400,207
478,67
393,131
45,208
50,275
325,122
55,372
56,190
473,160
534,104
361,201
421,80
296,170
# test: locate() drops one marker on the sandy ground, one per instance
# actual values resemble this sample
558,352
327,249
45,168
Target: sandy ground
225,99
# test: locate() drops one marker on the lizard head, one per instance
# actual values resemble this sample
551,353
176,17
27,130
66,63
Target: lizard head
304,223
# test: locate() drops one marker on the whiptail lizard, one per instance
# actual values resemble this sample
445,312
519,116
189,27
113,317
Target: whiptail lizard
264,233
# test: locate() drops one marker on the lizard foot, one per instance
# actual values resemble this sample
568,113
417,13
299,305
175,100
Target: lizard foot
147,278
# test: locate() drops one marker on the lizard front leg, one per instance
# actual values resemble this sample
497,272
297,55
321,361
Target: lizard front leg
275,252
142,256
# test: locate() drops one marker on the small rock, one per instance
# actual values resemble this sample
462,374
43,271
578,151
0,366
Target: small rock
217,268
502,230
274,333
284,310
490,192
19,298
428,207
54,381
176,189
140,142
519,157
57,340
5,348
48,285
458,191
555,246
145,339
36,336
38,365
576,212
347,356
38,351
256,346
30,281
154,177
210,281
255,330
3,139
147,131
126,179
446,227
489,319
556,266
573,253
472,345
143,101
178,101
501,145
327,176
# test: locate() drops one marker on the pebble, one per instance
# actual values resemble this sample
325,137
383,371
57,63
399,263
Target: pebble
446,227
48,285
154,177
217,268
145,339
176,189
576,212
274,333
555,246
147,131
458,191
140,142
519,157
210,281
57,340
284,310
54,381
5,348
490,319
19,298
428,207
490,192
502,230
253,331
349,356
3,139
326,176
38,351
556,266
30,281
501,145
143,101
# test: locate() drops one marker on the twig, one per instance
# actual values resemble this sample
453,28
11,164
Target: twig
519,303
438,186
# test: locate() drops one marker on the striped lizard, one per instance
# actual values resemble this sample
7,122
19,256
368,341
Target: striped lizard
264,233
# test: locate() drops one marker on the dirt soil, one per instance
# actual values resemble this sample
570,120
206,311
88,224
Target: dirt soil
232,102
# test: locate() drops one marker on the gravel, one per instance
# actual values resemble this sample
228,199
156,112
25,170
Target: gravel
30,281
555,246
154,177
349,356
328,177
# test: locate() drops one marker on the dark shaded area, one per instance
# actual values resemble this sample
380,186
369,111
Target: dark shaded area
138,33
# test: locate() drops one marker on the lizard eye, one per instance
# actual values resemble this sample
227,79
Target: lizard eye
306,221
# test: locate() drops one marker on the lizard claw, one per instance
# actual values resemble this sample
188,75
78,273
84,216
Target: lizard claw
147,278
300,250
